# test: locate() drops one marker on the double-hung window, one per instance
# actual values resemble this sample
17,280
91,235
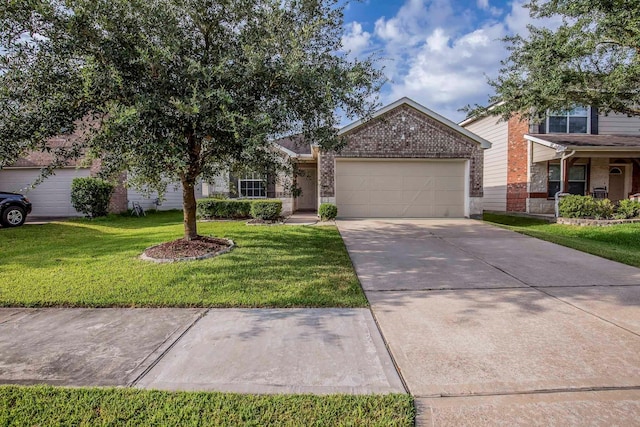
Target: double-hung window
574,121
252,186
577,180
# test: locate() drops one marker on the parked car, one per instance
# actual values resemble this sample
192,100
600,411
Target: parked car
14,209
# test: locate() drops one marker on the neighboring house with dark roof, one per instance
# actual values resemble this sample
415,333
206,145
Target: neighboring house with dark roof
579,152
52,198
405,161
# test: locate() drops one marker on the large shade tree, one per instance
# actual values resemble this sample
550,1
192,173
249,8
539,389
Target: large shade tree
175,90
591,58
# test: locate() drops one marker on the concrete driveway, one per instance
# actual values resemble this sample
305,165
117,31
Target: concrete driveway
489,327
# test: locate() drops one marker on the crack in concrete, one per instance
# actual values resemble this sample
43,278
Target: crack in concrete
528,392
165,351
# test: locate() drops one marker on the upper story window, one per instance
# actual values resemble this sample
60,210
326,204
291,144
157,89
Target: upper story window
574,121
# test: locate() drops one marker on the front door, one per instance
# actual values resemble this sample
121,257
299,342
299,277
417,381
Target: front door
308,184
616,183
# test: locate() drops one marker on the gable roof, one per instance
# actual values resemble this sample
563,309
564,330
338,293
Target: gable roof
424,110
295,144
476,117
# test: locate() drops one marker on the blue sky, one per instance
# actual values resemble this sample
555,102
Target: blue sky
437,52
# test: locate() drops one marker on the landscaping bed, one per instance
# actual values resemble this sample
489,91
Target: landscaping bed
620,243
95,263
202,247
596,222
44,406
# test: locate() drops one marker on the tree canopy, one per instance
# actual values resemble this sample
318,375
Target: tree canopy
591,58
175,90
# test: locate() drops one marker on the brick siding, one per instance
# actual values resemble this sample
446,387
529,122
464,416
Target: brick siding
404,132
517,154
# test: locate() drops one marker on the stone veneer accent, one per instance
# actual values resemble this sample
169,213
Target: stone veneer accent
517,159
403,132
599,170
541,206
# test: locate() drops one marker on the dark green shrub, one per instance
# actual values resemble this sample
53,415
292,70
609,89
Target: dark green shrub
328,211
577,206
603,209
585,207
628,209
223,208
267,210
91,196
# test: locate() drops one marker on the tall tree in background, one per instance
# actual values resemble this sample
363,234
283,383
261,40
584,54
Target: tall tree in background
175,90
591,58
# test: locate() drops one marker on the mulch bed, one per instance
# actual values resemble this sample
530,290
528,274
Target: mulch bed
181,248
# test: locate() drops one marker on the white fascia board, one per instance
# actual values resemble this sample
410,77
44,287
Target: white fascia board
477,117
558,147
285,150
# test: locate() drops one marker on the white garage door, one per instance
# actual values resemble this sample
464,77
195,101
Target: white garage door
400,188
52,197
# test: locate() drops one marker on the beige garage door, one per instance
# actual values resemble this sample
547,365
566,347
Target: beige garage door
52,197
400,188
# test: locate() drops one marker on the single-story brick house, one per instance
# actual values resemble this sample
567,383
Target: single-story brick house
579,152
405,161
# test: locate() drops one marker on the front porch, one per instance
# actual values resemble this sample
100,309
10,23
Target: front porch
603,166
304,182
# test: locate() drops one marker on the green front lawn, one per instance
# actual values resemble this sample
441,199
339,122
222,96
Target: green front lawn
95,263
618,242
48,406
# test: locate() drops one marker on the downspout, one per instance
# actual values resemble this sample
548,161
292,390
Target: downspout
560,193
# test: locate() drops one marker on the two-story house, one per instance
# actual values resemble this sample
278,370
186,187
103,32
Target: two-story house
579,152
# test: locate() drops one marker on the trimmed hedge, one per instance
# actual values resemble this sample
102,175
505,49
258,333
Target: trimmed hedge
328,211
91,196
267,210
575,206
587,207
628,209
223,208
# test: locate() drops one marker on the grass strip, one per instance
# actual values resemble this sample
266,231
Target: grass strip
46,405
619,242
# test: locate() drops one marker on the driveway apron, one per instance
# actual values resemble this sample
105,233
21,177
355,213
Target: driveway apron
491,327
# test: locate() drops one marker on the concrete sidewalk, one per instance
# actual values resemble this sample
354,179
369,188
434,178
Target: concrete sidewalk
490,327
242,350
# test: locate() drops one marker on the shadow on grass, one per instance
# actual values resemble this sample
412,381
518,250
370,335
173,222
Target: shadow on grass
95,263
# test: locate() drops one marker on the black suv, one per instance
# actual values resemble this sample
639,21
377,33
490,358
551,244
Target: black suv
14,209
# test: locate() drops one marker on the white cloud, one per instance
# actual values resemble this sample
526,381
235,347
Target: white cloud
413,21
440,53
447,73
355,40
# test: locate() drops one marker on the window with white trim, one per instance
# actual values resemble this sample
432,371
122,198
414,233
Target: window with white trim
577,180
252,186
574,121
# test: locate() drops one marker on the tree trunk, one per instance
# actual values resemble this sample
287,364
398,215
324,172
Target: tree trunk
189,208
